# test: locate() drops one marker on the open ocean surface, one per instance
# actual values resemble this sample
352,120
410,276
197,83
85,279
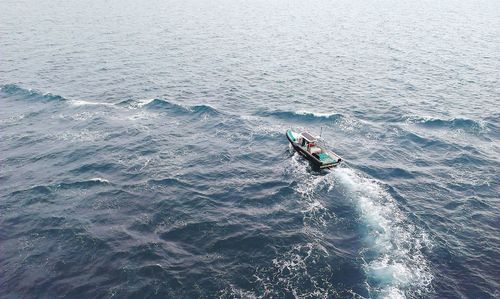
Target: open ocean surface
143,152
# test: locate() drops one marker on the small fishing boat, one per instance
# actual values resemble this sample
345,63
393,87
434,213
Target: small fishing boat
308,146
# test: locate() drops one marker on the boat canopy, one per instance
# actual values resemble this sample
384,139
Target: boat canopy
308,137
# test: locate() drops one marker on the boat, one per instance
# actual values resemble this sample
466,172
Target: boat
308,146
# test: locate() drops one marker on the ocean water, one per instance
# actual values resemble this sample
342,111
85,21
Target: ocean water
143,152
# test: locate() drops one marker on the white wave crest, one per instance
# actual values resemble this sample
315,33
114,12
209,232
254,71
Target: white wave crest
139,103
317,114
99,180
87,103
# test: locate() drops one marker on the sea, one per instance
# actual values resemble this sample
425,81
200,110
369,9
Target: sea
143,150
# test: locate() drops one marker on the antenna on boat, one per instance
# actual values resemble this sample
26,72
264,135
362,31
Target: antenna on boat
321,132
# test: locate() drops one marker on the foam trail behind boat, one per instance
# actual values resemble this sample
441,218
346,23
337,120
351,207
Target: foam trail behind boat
395,265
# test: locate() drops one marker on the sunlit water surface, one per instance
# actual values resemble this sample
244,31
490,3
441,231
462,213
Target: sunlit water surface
143,151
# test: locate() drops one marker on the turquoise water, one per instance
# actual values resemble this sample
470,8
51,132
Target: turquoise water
144,150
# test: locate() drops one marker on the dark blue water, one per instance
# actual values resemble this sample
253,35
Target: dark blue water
143,152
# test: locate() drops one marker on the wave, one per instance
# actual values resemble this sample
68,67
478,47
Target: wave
87,103
161,104
133,104
395,265
204,109
32,94
465,124
305,116
95,168
35,190
29,94
83,184
181,109
43,193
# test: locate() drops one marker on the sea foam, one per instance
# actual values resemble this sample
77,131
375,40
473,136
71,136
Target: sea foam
394,262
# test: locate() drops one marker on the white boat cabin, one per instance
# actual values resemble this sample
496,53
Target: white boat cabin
308,142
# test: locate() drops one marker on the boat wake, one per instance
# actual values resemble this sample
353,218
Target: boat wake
394,261
308,184
303,265
392,249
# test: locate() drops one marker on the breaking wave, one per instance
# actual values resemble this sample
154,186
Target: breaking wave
13,90
465,124
181,109
133,104
88,103
305,116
